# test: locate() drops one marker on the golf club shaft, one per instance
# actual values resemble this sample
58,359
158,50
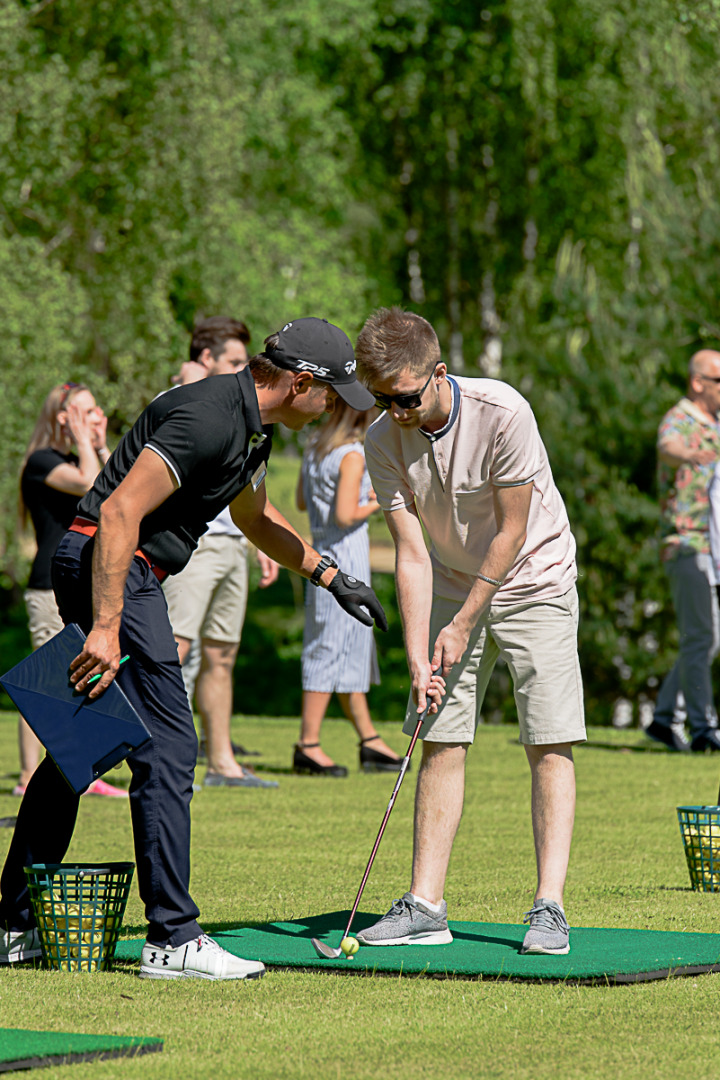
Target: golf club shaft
373,853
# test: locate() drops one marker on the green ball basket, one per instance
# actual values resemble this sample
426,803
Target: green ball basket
700,829
79,910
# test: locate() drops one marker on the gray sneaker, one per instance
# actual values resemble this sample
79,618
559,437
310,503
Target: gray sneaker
549,932
408,923
247,780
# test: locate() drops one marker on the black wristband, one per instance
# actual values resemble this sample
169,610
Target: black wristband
325,563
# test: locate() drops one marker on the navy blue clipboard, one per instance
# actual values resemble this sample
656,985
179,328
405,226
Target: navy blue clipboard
84,738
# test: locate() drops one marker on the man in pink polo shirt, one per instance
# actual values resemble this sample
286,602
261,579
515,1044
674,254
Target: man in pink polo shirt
463,458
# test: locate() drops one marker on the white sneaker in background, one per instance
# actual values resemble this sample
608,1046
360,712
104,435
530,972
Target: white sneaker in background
622,713
18,945
646,714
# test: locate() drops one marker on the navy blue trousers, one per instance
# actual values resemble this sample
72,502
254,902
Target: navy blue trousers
162,770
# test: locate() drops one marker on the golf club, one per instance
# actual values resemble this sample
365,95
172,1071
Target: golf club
324,951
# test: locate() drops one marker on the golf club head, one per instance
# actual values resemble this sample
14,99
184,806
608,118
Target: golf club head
324,951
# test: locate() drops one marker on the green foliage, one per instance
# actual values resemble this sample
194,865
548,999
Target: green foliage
537,178
600,341
162,161
548,191
41,306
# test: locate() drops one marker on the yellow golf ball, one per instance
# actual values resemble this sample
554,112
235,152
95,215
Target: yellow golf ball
349,946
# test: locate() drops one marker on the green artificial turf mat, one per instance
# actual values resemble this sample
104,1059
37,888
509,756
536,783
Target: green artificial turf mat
479,949
20,1049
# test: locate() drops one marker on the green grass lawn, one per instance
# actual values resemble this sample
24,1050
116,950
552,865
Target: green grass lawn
301,849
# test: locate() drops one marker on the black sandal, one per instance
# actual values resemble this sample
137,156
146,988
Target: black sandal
304,764
374,760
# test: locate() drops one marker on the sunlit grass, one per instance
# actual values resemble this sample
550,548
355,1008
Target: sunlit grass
301,850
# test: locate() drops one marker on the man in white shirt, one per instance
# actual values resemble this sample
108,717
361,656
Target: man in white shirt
207,600
464,459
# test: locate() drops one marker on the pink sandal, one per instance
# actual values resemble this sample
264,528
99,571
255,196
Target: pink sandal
101,787
98,787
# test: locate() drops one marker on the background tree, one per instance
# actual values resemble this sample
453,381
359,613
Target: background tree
537,179
543,176
162,160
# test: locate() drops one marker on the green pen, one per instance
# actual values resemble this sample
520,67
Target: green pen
96,677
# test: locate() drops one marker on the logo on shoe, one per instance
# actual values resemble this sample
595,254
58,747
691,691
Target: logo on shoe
154,959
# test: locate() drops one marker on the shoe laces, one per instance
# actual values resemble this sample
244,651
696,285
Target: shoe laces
205,942
402,907
406,907
543,916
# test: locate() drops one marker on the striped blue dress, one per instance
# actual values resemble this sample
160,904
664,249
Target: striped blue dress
338,652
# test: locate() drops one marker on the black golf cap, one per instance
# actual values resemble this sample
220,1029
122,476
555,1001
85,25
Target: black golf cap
317,346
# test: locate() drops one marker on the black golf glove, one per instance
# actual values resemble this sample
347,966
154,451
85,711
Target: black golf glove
353,596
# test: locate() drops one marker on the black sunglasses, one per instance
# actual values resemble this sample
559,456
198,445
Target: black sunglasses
405,401
711,378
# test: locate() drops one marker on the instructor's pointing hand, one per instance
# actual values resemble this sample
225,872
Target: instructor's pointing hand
354,596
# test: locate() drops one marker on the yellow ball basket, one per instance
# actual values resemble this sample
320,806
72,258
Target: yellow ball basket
700,829
79,911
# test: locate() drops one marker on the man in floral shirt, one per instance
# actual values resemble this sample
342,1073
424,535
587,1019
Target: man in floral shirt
688,450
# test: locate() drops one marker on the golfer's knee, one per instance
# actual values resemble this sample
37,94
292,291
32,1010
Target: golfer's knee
439,753
540,752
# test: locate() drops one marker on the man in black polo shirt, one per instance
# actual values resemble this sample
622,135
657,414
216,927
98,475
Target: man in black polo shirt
190,454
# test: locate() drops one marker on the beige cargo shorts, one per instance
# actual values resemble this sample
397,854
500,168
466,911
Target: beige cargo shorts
538,642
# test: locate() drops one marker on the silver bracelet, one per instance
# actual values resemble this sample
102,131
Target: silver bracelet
490,580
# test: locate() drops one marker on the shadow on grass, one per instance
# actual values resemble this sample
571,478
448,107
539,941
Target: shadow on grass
279,770
486,939
328,923
627,748
138,930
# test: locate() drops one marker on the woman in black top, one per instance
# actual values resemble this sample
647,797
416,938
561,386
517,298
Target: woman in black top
65,454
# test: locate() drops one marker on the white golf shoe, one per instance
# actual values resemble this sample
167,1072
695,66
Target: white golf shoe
201,958
18,945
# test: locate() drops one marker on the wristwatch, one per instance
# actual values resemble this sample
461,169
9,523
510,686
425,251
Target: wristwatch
325,563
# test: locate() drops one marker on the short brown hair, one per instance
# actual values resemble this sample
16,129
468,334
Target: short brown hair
262,369
214,333
393,340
